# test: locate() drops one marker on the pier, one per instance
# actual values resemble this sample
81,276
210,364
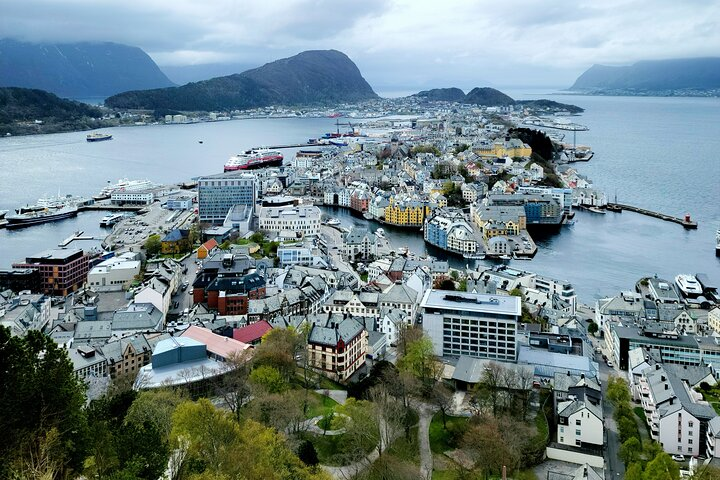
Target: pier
75,236
685,222
112,208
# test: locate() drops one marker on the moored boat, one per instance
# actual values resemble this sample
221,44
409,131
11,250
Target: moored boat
21,220
110,220
333,222
688,285
98,137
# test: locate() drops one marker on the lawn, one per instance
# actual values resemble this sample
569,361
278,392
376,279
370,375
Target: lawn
644,432
334,449
441,439
324,406
404,449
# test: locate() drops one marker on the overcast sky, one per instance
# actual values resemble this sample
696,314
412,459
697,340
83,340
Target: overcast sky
397,44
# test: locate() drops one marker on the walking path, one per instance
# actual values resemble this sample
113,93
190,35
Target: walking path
426,459
340,396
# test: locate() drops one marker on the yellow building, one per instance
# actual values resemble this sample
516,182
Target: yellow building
406,214
504,148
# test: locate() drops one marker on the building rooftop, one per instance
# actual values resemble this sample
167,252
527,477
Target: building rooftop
216,344
477,302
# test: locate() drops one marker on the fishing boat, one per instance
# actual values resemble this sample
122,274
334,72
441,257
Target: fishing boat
98,137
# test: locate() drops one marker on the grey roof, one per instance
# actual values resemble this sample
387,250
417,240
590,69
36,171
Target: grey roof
497,304
670,394
634,334
470,369
562,382
93,331
358,235
567,408
346,331
399,293
137,316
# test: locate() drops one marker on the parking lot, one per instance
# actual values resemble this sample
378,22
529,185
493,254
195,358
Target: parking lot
134,230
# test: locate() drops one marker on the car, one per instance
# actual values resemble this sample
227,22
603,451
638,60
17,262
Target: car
610,364
190,292
678,458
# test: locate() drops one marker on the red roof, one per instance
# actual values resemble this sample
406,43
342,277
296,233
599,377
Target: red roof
217,344
210,244
252,332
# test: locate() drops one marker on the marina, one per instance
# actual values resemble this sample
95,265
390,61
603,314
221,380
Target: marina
686,221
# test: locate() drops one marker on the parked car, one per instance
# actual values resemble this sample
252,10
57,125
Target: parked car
610,364
678,458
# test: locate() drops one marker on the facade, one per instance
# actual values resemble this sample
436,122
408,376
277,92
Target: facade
406,213
18,280
511,147
217,194
477,325
179,203
293,255
448,229
231,295
359,244
338,349
207,249
132,198
114,274
580,423
676,420
61,271
303,219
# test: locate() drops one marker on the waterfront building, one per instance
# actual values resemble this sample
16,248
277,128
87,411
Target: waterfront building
181,202
564,196
376,208
477,325
669,346
406,213
20,279
217,194
62,271
359,244
495,220
337,348
303,219
359,200
115,273
539,209
132,197
449,229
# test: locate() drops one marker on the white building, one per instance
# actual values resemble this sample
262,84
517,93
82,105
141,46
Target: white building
580,423
132,198
115,273
390,323
672,411
378,267
156,292
303,219
473,324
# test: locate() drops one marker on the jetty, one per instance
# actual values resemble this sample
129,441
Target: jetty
75,236
686,222
111,208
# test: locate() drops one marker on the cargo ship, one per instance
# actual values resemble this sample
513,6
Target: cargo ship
20,220
255,158
98,137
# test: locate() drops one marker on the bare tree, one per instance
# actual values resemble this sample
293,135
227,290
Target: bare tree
442,396
390,414
233,386
492,381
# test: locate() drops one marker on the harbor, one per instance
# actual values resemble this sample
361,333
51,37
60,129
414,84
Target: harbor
686,221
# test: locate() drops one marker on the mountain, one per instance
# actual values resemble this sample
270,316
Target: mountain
78,70
24,110
488,97
653,76
312,77
442,95
182,74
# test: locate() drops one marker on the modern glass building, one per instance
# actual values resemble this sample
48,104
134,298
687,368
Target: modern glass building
217,194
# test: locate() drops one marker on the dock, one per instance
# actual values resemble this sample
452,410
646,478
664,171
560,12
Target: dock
685,222
111,208
75,236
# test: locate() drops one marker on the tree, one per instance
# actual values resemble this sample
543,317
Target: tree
155,407
496,442
195,234
662,467
491,380
442,396
280,348
627,429
420,360
234,386
268,379
444,283
41,407
362,431
630,450
634,472
258,238
307,453
618,391
153,245
593,328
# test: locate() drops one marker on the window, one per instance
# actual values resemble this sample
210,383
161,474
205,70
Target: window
577,422
578,433
562,429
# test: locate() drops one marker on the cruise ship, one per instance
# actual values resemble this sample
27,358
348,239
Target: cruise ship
255,158
688,285
98,137
20,220
124,185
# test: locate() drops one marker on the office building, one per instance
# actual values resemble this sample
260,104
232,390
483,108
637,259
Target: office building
477,325
62,271
217,194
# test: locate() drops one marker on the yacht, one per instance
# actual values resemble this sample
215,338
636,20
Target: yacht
688,285
334,222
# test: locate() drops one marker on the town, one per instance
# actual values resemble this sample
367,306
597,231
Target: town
370,359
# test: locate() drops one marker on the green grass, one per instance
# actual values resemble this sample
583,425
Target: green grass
332,449
441,439
644,432
404,449
324,406
444,475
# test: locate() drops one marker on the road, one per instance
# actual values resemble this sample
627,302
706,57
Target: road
183,297
614,467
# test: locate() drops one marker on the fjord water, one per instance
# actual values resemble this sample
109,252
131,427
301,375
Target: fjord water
658,153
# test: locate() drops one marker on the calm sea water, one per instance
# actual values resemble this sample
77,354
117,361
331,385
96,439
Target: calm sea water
659,153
